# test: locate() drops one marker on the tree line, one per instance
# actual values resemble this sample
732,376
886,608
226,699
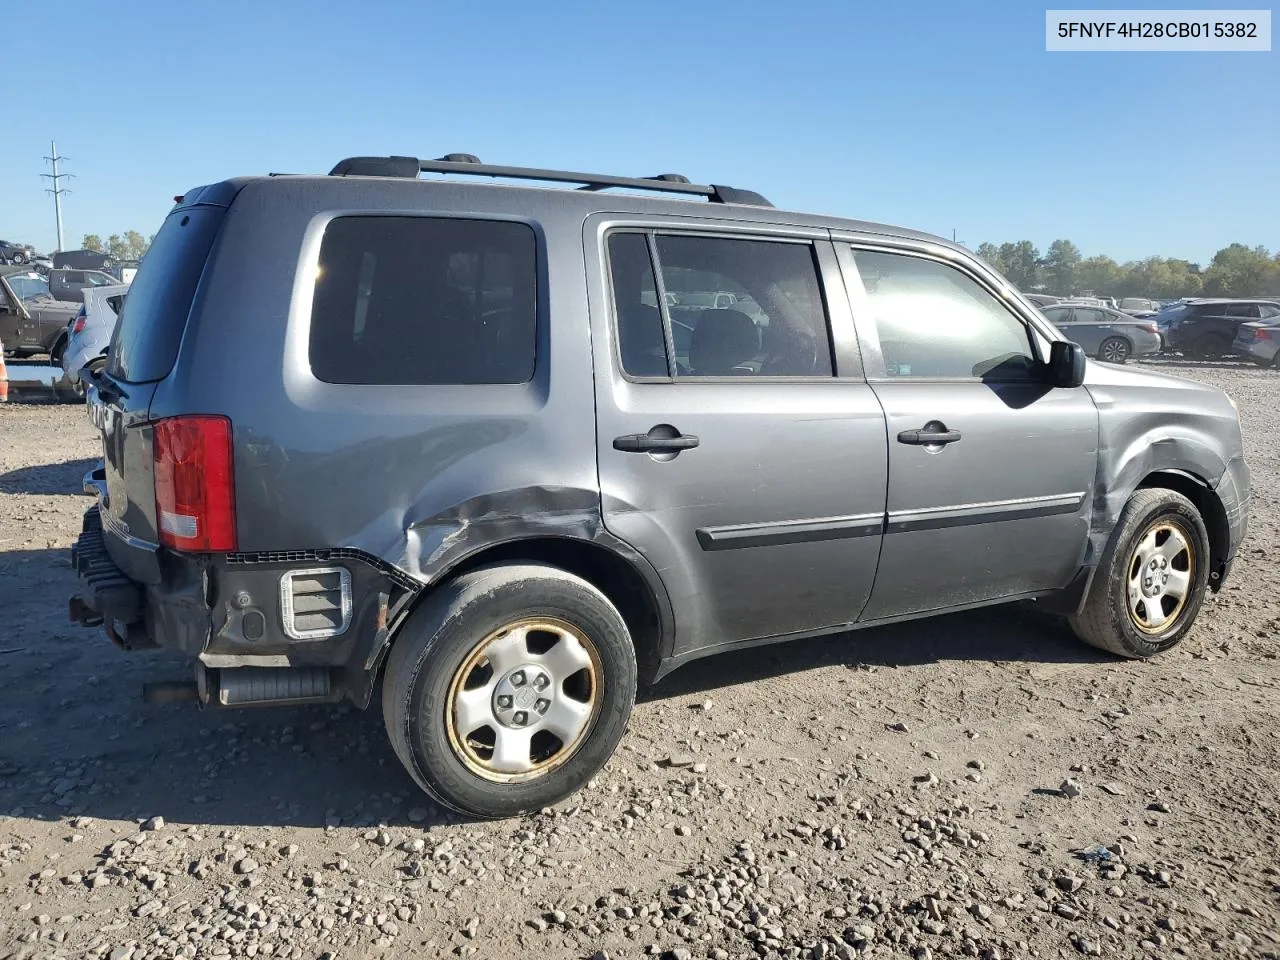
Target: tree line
131,246
1235,271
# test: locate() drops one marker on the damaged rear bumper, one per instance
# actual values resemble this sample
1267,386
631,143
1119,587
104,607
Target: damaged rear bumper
231,613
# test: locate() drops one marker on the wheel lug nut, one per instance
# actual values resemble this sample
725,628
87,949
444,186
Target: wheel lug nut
504,701
540,681
521,718
517,678
541,706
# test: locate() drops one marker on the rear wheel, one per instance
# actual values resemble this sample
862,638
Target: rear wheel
1114,350
509,689
1150,583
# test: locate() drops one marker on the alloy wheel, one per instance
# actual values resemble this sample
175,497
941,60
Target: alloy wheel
524,699
1161,573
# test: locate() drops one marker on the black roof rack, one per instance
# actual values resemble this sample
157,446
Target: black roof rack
466,163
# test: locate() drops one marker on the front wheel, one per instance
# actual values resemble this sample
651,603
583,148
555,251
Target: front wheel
1151,580
1114,350
509,689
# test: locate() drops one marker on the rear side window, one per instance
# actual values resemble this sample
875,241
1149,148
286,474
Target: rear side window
146,339
731,307
421,300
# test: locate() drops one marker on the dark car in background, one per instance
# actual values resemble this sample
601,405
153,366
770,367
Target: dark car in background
67,284
1207,328
17,253
32,320
83,260
1104,333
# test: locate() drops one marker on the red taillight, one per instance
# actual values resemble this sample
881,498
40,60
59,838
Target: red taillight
195,492
79,324
1261,334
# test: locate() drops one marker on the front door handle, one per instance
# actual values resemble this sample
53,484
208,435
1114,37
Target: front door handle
651,442
929,436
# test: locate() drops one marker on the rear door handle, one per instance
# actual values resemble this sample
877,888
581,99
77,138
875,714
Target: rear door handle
649,443
928,438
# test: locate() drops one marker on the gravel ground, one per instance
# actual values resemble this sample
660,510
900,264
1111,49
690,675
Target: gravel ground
978,785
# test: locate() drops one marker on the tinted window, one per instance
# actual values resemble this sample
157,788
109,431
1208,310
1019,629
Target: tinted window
1268,310
1089,315
146,339
418,300
1058,315
744,308
641,344
1246,310
935,321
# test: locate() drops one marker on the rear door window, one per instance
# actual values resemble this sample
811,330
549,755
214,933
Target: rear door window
732,307
422,300
147,337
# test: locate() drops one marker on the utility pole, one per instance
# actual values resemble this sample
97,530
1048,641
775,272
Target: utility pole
58,190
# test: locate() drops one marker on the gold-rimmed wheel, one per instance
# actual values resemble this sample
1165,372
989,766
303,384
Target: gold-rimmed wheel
1162,568
1150,582
523,700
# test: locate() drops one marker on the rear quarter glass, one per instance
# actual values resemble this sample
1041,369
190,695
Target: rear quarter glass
154,317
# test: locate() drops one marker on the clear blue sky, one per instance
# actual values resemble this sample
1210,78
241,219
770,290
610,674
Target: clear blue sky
930,115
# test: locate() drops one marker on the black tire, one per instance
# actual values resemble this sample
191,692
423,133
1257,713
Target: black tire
1106,621
1114,350
443,634
55,354
19,257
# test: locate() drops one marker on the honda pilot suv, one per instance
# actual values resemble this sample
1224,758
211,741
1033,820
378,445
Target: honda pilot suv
472,466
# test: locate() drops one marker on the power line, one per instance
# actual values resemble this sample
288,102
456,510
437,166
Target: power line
57,190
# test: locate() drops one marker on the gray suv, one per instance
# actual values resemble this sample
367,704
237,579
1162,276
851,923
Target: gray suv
472,458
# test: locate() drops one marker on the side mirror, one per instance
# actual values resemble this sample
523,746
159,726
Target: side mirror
1066,364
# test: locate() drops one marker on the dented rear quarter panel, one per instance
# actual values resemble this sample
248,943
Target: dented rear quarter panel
417,476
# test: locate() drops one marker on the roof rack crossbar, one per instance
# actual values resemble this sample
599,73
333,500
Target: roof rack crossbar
662,183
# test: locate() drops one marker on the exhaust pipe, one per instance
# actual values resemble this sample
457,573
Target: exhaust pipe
265,686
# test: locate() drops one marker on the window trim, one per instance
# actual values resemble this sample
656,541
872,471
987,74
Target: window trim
651,229
297,346
864,318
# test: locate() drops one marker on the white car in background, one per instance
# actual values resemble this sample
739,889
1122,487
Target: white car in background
89,332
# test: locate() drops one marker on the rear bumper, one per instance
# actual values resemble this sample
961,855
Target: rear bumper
227,612
105,596
1259,351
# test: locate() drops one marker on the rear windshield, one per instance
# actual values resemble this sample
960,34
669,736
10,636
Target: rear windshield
150,329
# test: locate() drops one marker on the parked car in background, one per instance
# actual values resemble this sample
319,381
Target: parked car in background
90,332
1136,305
17,253
126,270
498,514
1041,299
42,265
1105,334
84,260
1259,341
67,284
1207,328
31,319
